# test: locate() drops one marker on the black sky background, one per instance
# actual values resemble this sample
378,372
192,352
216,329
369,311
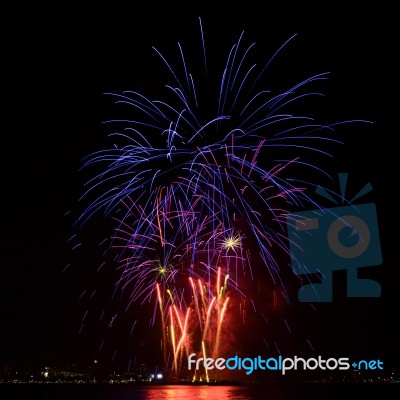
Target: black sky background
57,70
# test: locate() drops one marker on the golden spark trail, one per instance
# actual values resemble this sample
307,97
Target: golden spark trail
205,356
201,291
164,336
170,296
208,319
183,337
173,338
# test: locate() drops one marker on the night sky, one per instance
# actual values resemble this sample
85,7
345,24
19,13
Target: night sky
57,70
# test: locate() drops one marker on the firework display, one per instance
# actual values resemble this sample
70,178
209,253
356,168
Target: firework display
197,184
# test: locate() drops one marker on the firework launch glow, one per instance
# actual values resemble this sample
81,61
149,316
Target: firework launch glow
198,183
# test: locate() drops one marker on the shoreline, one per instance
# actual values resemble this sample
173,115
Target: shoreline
221,383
